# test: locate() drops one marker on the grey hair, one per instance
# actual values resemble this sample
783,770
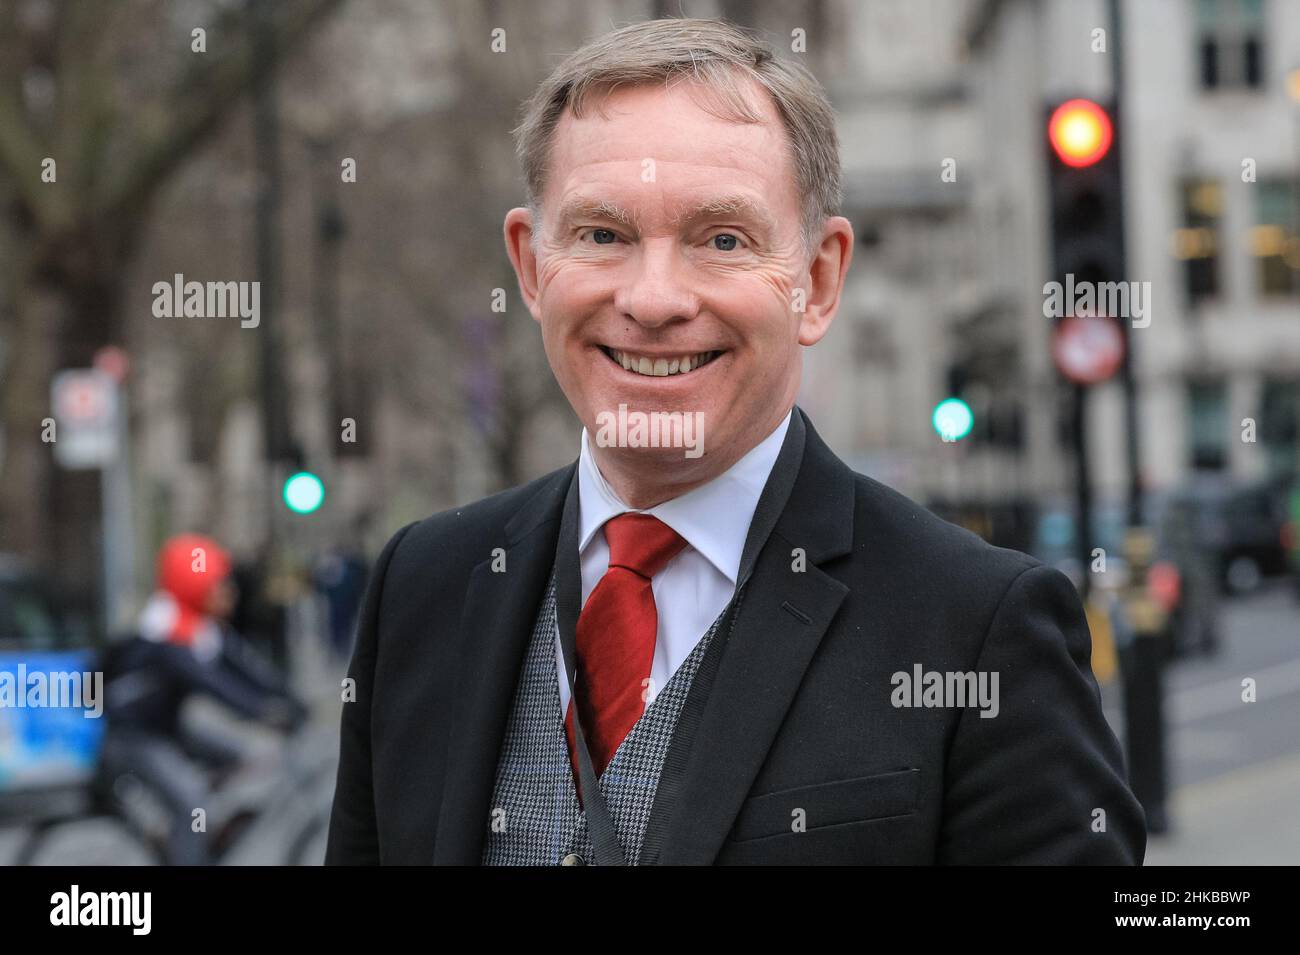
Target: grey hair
719,57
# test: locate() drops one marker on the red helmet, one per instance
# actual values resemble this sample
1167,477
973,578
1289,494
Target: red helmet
190,566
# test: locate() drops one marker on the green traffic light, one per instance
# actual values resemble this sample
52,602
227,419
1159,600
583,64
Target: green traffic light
303,492
952,419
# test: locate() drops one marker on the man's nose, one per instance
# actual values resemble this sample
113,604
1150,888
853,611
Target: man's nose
655,290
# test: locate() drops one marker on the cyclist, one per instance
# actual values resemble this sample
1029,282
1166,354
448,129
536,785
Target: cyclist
184,648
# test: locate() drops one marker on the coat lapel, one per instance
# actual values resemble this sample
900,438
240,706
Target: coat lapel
499,615
780,624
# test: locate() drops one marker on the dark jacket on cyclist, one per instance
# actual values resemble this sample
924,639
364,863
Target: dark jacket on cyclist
147,682
181,650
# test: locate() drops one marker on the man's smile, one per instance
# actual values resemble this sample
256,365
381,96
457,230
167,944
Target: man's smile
660,366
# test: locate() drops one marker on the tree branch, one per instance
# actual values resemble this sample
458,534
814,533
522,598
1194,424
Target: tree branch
207,96
21,152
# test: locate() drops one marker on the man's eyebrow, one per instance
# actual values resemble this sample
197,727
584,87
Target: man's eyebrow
594,209
726,207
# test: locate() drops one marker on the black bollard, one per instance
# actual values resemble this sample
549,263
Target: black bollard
1141,667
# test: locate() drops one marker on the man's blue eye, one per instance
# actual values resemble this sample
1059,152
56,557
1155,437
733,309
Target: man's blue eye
725,242
603,236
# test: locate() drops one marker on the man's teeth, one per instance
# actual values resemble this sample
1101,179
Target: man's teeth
661,367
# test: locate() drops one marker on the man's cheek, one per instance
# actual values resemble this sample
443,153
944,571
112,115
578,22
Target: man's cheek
570,288
558,311
760,295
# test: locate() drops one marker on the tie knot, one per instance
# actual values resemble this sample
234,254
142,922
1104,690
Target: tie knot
641,543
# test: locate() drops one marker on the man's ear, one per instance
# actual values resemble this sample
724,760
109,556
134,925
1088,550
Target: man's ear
519,237
826,274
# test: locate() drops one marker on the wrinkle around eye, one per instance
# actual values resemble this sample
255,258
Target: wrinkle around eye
780,281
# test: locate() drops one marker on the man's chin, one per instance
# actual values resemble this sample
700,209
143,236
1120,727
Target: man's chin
651,460
659,440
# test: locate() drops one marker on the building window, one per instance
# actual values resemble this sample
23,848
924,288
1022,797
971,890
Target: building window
1230,38
1197,242
1273,240
1279,423
1208,425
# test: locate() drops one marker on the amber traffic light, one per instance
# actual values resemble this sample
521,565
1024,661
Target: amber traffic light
1080,132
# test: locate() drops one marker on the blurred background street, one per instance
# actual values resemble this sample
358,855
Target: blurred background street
354,158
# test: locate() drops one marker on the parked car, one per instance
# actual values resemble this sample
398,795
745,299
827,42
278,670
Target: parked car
1244,528
1291,534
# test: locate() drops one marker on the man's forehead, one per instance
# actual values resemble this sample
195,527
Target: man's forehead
707,165
747,102
679,123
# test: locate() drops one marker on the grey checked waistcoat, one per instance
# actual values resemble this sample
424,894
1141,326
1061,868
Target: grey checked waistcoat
535,818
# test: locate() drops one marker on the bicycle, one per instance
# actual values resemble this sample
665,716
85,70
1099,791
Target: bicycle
250,808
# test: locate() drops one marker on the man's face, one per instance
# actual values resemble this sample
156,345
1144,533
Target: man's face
670,240
222,599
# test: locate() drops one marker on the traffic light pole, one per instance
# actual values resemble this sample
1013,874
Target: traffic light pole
1142,663
1128,379
1082,487
266,135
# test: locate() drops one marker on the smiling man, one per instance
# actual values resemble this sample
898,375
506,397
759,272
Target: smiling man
747,654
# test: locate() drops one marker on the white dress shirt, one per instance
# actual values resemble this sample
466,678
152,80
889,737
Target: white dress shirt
696,585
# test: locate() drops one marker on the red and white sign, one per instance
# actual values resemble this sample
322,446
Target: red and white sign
1087,349
85,405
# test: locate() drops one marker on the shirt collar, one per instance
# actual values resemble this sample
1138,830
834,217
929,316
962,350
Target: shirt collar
713,518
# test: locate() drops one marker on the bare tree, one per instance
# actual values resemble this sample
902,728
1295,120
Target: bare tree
116,96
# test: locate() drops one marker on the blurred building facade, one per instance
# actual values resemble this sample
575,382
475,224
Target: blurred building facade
1210,136
906,122
1214,116
934,305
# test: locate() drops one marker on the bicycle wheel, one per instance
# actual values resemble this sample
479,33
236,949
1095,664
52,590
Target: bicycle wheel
96,841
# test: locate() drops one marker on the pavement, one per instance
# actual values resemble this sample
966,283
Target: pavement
1234,765
1250,816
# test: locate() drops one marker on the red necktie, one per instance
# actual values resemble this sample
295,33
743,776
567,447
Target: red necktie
615,638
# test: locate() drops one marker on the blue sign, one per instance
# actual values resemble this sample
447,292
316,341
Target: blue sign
51,722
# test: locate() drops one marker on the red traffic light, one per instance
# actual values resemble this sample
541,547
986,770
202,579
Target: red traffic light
1080,132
